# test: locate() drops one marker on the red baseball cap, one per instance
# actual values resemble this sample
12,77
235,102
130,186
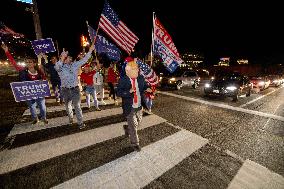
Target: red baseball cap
129,59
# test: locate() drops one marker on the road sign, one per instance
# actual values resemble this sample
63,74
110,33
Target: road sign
26,1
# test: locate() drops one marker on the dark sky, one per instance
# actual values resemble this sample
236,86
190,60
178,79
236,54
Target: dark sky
216,29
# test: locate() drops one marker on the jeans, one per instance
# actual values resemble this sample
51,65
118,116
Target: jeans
42,108
90,90
111,92
56,87
73,96
149,102
100,89
133,120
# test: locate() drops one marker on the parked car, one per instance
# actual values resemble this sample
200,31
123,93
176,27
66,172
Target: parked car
260,82
275,80
228,85
180,78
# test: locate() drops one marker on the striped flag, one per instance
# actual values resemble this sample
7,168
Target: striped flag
148,73
4,30
104,46
117,30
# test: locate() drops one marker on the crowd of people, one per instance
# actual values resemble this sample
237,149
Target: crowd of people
68,82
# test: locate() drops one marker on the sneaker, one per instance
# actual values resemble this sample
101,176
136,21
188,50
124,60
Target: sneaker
61,101
35,121
71,120
57,100
125,127
149,112
102,102
98,109
136,148
82,126
45,121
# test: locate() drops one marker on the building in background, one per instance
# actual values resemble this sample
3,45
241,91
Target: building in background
242,61
224,61
191,60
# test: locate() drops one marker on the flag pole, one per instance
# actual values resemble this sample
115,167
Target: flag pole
56,42
94,40
152,45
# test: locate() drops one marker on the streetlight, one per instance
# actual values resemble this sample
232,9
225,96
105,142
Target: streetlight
34,10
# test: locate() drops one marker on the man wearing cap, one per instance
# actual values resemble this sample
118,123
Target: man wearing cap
131,88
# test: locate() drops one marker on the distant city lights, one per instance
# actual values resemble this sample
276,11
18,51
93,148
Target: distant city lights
242,61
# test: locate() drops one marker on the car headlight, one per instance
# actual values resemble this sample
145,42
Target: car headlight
207,85
212,78
161,78
261,83
173,79
231,88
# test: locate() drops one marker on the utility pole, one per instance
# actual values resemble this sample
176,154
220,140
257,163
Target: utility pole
36,20
34,11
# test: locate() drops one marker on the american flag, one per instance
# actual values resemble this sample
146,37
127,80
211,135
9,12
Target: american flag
4,30
117,30
148,73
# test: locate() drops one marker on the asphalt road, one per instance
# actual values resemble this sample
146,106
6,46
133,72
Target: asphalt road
242,135
250,129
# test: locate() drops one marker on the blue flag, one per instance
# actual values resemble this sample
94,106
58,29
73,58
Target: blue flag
104,46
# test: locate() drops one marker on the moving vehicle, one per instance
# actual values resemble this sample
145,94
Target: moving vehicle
275,80
180,78
260,82
229,85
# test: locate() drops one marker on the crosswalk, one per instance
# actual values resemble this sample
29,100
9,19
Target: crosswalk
59,155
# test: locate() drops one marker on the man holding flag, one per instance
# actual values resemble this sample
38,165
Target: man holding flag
68,73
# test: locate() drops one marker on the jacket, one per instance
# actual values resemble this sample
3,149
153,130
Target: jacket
123,88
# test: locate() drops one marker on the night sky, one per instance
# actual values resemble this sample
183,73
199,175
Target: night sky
215,29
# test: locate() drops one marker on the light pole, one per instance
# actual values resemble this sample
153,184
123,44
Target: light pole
36,21
34,11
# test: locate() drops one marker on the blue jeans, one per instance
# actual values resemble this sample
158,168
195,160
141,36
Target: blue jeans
42,108
149,103
73,96
90,90
56,87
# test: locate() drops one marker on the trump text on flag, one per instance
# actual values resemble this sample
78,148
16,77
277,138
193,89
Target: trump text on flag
29,90
165,48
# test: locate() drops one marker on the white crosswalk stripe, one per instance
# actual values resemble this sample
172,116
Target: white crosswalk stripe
59,121
62,107
253,176
34,153
130,170
136,170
